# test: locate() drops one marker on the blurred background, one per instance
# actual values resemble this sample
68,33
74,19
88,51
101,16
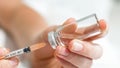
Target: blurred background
57,11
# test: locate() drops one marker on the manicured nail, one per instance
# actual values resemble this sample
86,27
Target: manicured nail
13,61
76,46
62,51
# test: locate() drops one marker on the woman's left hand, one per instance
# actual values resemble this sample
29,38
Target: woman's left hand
78,53
75,54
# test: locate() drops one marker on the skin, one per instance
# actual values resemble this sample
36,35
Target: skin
67,57
24,25
8,63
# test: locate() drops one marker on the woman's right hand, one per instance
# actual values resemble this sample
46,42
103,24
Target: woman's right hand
7,63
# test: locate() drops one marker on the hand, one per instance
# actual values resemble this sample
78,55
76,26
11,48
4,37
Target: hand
7,63
77,54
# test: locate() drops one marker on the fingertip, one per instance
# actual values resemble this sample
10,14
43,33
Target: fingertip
103,25
70,26
70,20
61,51
99,52
14,61
3,51
87,49
103,31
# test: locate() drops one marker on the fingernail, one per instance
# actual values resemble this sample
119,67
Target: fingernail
76,46
13,61
62,51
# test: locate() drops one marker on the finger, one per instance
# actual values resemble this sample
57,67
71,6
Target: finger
70,26
3,51
87,30
88,33
65,64
94,28
104,30
96,36
73,59
102,26
14,62
86,49
11,63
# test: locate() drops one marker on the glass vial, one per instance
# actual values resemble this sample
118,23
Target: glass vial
87,27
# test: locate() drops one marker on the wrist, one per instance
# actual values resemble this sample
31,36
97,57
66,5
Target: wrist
8,10
24,25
